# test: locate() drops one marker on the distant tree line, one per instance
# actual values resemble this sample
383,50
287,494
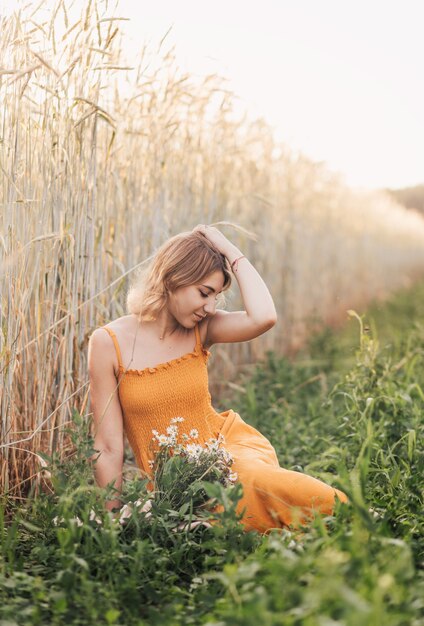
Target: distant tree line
410,197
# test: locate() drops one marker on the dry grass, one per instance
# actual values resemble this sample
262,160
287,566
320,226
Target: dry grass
101,163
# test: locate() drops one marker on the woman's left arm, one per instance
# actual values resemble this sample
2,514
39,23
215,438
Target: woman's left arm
257,300
256,297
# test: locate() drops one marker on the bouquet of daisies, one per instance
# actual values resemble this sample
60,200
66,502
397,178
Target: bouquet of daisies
181,471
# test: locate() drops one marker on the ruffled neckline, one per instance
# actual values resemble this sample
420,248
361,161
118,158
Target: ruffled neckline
167,364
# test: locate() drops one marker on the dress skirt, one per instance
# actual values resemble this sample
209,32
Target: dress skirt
273,497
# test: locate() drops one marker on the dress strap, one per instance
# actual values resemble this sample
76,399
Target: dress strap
198,340
115,341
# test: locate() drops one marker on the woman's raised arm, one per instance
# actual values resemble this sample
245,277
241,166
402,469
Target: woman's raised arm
107,413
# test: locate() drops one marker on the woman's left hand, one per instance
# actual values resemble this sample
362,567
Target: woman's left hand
215,237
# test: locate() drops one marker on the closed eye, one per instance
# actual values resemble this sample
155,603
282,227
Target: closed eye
205,295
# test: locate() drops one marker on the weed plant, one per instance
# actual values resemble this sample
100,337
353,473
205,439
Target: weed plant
361,430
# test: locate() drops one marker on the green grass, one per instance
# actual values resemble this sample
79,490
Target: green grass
389,322
348,410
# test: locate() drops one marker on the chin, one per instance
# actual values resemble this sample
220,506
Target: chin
188,325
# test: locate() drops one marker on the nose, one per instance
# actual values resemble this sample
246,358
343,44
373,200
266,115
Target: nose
210,307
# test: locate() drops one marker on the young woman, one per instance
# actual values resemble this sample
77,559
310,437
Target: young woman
151,365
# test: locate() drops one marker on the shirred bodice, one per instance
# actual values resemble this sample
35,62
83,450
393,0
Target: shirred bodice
151,397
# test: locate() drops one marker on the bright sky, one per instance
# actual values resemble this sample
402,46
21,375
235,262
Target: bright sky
340,81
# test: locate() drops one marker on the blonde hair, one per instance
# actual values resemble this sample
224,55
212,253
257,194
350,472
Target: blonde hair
184,259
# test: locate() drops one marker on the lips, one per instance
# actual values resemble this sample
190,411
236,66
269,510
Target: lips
199,317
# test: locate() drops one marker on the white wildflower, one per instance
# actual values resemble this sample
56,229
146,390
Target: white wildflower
215,462
193,449
224,455
172,432
212,445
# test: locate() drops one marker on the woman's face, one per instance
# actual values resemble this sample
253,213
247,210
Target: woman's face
191,303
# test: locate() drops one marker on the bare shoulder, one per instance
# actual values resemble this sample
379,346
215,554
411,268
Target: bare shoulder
101,350
100,336
233,326
123,323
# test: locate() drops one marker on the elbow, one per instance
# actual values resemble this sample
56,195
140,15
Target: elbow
265,324
271,321
109,449
116,453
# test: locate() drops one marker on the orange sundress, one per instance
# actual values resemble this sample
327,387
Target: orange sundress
274,497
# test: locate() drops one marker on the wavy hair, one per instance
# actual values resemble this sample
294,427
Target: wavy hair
184,259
